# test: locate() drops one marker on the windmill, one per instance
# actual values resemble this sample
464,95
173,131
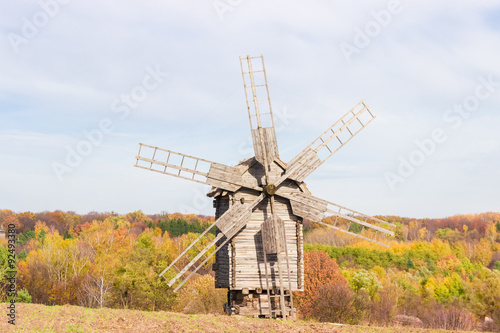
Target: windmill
260,207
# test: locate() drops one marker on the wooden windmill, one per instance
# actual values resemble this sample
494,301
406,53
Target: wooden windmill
260,207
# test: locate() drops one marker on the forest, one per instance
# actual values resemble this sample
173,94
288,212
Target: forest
441,273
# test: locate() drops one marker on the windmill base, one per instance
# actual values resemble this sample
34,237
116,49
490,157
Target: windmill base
255,303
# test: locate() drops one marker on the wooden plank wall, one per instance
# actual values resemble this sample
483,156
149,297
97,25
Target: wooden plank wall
221,265
249,269
240,264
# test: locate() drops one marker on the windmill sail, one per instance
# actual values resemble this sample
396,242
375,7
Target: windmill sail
191,168
232,221
328,143
259,109
315,209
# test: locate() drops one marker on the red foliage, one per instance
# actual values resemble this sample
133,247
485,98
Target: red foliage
320,270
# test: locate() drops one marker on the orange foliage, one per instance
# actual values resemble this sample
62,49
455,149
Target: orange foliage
320,270
12,220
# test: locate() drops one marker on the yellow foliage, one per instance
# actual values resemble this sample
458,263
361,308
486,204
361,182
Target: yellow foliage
440,247
157,231
482,253
448,263
380,271
422,233
39,226
201,296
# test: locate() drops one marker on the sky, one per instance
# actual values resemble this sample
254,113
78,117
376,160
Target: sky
83,82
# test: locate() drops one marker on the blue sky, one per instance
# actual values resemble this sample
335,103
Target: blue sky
65,66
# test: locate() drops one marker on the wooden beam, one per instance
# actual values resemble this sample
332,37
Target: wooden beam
218,175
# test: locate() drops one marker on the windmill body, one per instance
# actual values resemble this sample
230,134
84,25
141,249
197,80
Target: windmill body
260,207
243,265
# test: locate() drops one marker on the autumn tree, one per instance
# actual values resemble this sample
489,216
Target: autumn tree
53,272
4,213
201,296
137,216
333,302
382,308
137,284
320,270
28,221
482,252
109,247
12,220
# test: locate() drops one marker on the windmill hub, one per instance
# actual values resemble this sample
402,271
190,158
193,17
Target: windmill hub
271,189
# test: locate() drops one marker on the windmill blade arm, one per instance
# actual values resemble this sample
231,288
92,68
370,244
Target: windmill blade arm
328,143
191,168
201,264
364,222
259,109
230,223
315,209
351,233
192,262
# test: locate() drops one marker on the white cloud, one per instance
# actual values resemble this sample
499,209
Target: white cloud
64,80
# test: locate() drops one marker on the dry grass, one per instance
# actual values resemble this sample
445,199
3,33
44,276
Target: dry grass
41,318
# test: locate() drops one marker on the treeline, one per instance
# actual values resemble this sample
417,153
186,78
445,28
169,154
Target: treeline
179,226
468,228
67,223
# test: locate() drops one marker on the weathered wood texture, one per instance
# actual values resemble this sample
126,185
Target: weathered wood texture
221,265
255,304
268,137
269,235
259,109
312,208
328,143
241,264
304,164
188,167
192,168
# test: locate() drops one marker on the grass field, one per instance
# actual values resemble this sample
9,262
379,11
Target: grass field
41,318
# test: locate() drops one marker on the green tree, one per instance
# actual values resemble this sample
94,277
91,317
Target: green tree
137,284
497,265
23,296
4,270
367,281
22,255
410,264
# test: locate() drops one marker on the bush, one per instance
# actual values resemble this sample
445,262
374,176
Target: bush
452,318
201,296
365,280
383,307
495,316
23,296
436,315
333,303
